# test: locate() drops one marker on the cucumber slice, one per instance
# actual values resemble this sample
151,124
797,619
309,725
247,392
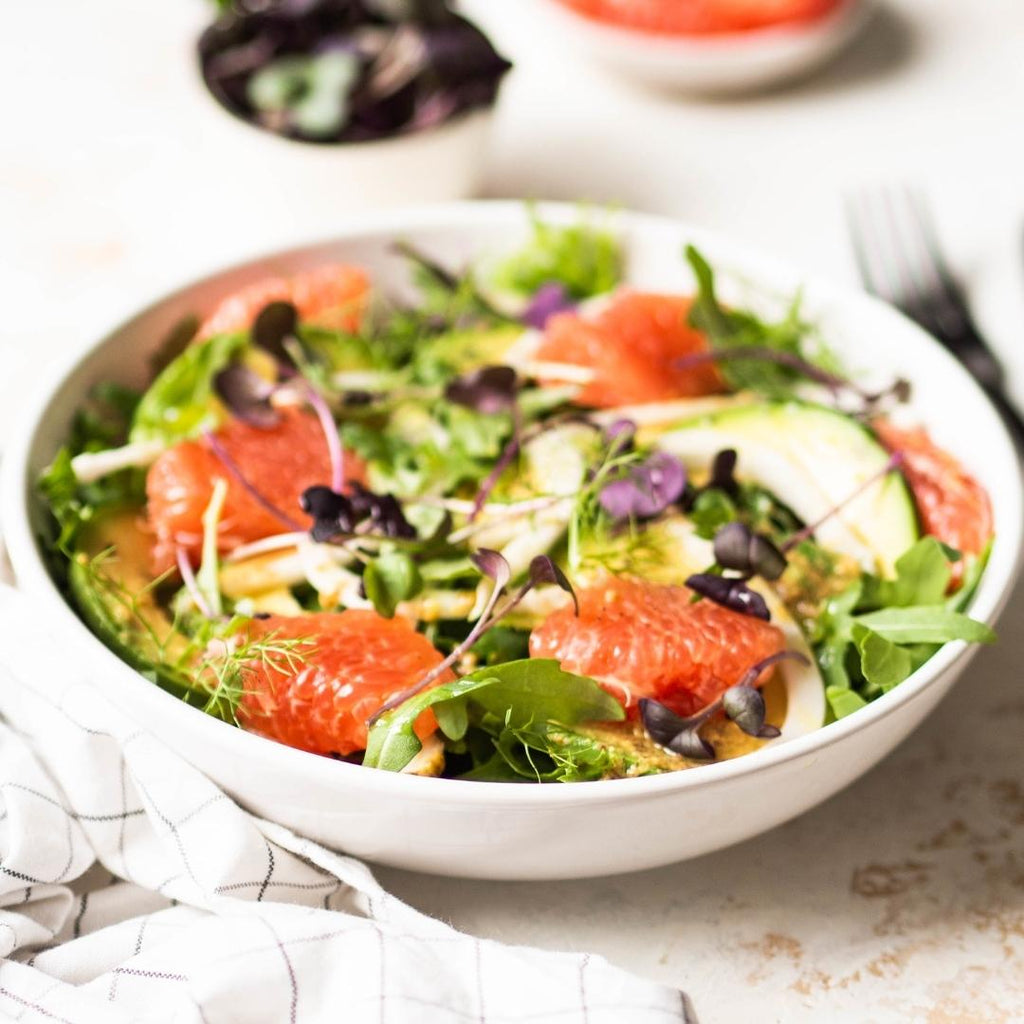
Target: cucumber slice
813,459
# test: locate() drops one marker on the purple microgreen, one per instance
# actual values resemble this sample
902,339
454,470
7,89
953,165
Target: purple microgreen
544,570
751,676
742,703
236,472
676,734
339,72
646,490
745,706
387,516
331,512
737,547
487,485
620,434
335,513
689,743
548,299
188,578
247,395
723,472
493,565
730,593
330,429
894,462
489,390
275,324
900,389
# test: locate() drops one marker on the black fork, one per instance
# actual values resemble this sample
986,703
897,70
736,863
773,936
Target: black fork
900,261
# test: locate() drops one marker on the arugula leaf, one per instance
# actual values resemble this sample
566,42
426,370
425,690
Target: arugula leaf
883,663
519,696
926,624
922,578
843,701
731,329
181,401
392,743
585,259
389,579
878,632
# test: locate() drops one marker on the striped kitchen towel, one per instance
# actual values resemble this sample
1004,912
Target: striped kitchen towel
133,889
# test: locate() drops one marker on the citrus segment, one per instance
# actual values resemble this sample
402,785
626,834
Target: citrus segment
349,665
646,640
702,17
952,505
333,296
633,348
279,462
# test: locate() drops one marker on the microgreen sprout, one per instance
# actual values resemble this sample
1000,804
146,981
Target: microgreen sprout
549,299
495,567
274,325
334,513
740,550
620,434
731,593
899,389
646,489
489,390
742,703
247,395
737,547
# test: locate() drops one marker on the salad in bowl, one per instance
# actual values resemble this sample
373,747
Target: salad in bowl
514,520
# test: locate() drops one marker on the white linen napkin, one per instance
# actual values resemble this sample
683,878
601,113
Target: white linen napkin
133,889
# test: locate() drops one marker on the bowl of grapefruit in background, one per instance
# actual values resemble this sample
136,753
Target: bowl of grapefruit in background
722,46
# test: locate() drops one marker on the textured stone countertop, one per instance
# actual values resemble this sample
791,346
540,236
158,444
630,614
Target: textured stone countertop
902,899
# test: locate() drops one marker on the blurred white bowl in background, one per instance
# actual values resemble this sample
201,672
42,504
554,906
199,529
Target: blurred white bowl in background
727,63
437,164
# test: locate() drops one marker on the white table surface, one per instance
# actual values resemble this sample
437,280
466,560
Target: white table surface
903,898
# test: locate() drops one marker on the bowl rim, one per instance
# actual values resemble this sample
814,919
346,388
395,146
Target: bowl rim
17,496
682,44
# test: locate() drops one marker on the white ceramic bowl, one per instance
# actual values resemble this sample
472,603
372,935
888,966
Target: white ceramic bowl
492,830
434,165
727,63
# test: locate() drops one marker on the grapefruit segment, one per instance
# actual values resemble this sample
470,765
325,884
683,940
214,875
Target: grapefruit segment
332,296
355,661
632,348
642,639
952,505
702,17
280,462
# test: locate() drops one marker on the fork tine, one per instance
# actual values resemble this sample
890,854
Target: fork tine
878,248
942,277
866,247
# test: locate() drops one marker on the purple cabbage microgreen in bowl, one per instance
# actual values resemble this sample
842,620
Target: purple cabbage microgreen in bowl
330,71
